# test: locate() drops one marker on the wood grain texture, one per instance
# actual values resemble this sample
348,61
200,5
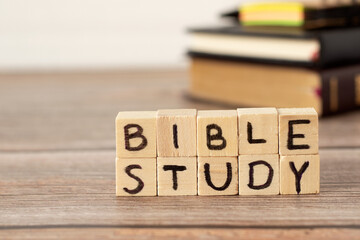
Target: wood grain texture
178,142
78,188
136,177
57,178
218,176
136,134
61,108
217,133
307,169
266,176
262,123
185,177
182,233
85,100
298,131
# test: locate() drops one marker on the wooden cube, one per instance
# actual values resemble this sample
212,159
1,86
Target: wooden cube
136,134
258,130
299,174
298,132
135,176
218,176
177,176
217,133
259,174
176,133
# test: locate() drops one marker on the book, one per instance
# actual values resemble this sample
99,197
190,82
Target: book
316,3
296,14
319,48
262,85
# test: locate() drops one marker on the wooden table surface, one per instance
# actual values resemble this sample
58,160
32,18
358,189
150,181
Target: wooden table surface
57,175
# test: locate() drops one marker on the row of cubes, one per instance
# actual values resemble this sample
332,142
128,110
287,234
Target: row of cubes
189,133
245,175
227,152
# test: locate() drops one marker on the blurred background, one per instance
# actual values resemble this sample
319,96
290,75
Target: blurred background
77,34
70,66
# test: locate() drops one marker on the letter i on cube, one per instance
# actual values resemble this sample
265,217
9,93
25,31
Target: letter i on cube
251,151
176,141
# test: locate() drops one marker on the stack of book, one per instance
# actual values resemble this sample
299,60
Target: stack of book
297,54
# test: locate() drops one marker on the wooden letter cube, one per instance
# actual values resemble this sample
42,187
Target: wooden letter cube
298,131
136,134
259,174
176,133
217,133
258,131
177,176
218,176
299,174
135,176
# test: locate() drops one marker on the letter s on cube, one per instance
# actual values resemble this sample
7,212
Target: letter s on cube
136,134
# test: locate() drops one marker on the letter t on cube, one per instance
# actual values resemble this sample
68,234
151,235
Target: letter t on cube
136,134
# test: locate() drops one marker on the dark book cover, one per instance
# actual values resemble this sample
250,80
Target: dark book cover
337,46
317,18
340,89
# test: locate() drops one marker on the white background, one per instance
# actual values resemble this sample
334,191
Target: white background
100,34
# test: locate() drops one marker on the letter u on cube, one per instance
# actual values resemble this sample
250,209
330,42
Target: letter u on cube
248,151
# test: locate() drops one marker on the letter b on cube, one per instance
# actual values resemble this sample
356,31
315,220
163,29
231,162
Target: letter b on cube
136,134
217,133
